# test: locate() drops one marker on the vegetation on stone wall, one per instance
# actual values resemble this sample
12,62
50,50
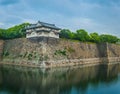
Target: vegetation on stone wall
83,36
5,53
17,31
33,56
70,49
60,52
65,51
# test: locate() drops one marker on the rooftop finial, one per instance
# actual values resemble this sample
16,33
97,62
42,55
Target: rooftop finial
38,21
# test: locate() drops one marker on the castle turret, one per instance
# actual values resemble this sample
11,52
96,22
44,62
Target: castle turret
42,29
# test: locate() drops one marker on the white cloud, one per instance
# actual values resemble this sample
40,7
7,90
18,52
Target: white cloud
1,24
92,16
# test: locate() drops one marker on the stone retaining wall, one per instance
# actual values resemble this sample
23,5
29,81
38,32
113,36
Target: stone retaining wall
52,52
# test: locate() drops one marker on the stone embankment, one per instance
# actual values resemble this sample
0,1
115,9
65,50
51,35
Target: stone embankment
49,52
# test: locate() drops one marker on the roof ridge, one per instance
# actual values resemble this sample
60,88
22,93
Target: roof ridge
46,23
39,23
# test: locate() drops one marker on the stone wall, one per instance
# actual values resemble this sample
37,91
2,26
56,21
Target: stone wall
113,52
57,52
1,48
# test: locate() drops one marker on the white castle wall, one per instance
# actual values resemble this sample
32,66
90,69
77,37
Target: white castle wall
42,34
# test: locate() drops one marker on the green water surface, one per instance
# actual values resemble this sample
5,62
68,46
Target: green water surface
65,80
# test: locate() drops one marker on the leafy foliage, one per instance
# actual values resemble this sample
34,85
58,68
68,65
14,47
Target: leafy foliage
66,33
108,38
5,53
94,37
13,32
60,52
83,36
18,31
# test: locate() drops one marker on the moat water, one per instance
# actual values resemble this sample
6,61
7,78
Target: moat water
66,80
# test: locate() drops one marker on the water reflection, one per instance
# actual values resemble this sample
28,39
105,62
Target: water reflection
19,80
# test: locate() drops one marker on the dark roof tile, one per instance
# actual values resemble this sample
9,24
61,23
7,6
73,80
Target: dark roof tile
42,24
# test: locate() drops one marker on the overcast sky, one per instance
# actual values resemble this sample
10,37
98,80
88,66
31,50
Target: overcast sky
102,16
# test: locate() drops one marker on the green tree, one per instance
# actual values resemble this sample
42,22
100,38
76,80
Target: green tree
82,35
94,37
108,38
66,33
1,33
17,31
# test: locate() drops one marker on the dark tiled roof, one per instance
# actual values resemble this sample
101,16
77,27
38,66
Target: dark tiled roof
42,24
